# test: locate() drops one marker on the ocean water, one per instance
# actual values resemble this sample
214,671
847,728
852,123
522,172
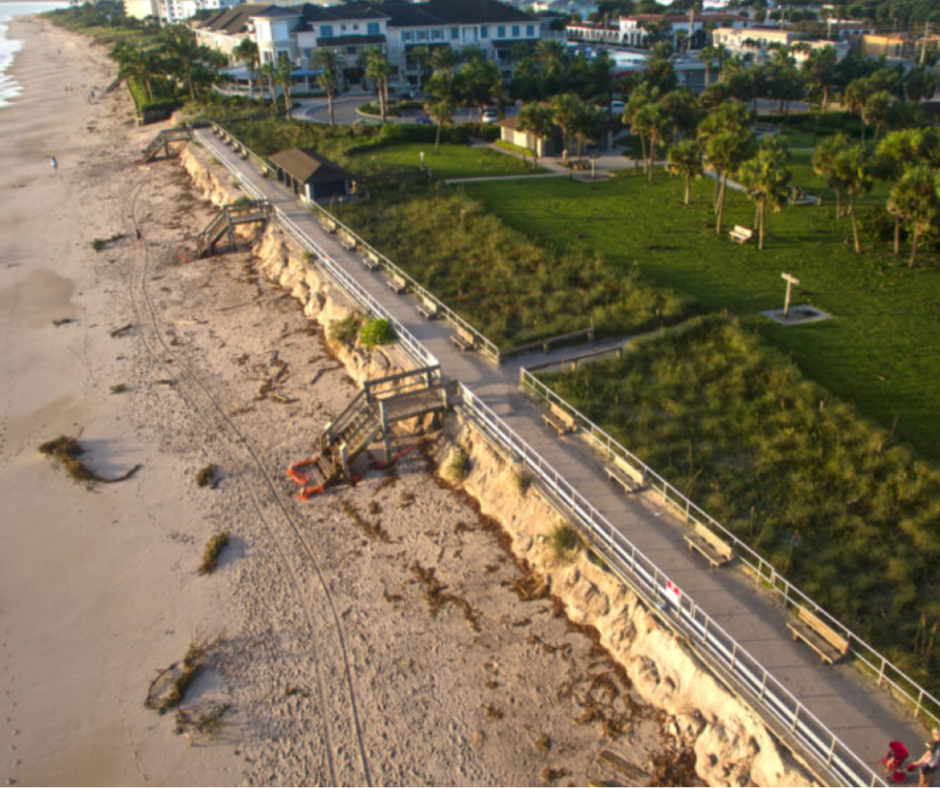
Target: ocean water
9,47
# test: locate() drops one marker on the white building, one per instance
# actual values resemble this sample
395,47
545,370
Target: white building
395,26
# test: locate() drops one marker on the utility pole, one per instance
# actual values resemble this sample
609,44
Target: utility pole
691,27
923,49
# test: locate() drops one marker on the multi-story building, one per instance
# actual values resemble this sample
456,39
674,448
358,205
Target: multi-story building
636,30
397,27
753,42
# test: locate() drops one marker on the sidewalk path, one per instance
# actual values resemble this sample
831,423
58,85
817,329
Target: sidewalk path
862,716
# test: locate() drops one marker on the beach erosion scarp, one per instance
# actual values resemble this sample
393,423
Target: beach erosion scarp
732,744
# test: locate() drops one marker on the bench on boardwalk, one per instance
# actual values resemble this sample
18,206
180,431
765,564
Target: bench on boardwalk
396,284
624,474
371,260
347,241
463,339
327,224
824,640
428,309
741,234
560,420
715,550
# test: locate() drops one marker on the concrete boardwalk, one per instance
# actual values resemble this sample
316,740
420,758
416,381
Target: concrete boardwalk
861,715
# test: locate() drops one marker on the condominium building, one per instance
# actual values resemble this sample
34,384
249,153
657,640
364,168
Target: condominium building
396,26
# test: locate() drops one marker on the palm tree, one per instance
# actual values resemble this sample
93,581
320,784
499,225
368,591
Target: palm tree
377,70
824,165
422,57
444,61
729,116
765,177
565,109
855,95
876,109
329,61
284,75
685,159
588,126
651,120
819,70
480,80
184,54
269,71
440,112
852,167
722,154
643,94
539,120
550,58
896,152
684,110
247,52
707,55
915,199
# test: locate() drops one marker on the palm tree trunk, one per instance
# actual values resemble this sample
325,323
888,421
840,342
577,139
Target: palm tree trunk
825,98
721,203
838,203
329,100
437,139
858,246
757,215
897,235
760,235
643,148
708,72
717,189
652,154
688,188
914,241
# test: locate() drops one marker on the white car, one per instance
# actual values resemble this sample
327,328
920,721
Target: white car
490,116
616,108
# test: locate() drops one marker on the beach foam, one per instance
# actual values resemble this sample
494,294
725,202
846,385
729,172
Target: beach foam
9,87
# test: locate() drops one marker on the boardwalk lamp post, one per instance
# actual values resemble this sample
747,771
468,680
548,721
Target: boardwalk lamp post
790,280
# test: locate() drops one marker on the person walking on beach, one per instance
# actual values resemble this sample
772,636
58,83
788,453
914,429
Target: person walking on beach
929,761
54,162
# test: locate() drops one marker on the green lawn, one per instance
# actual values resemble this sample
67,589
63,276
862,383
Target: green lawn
453,161
875,353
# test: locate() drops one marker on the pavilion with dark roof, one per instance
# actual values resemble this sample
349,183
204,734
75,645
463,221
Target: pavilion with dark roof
310,176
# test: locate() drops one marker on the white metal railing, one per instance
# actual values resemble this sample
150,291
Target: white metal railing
662,593
488,347
641,573
886,671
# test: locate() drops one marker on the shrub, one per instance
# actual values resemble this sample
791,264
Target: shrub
522,481
206,476
345,330
376,332
210,558
564,541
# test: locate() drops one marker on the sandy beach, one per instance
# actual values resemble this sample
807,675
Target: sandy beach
336,653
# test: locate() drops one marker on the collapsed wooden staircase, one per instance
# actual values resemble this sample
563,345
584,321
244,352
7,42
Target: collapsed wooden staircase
225,221
162,143
382,402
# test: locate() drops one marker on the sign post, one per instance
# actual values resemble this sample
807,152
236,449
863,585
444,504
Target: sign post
790,280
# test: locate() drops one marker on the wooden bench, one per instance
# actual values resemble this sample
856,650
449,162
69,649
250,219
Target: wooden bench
328,224
347,241
741,234
463,339
624,474
715,550
371,260
396,284
826,642
560,420
428,309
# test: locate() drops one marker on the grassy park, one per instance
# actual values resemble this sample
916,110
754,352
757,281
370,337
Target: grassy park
874,353
372,150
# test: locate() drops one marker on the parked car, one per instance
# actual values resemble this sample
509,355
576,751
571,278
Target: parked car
616,108
490,116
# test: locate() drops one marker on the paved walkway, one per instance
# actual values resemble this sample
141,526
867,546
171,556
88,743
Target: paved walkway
857,712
